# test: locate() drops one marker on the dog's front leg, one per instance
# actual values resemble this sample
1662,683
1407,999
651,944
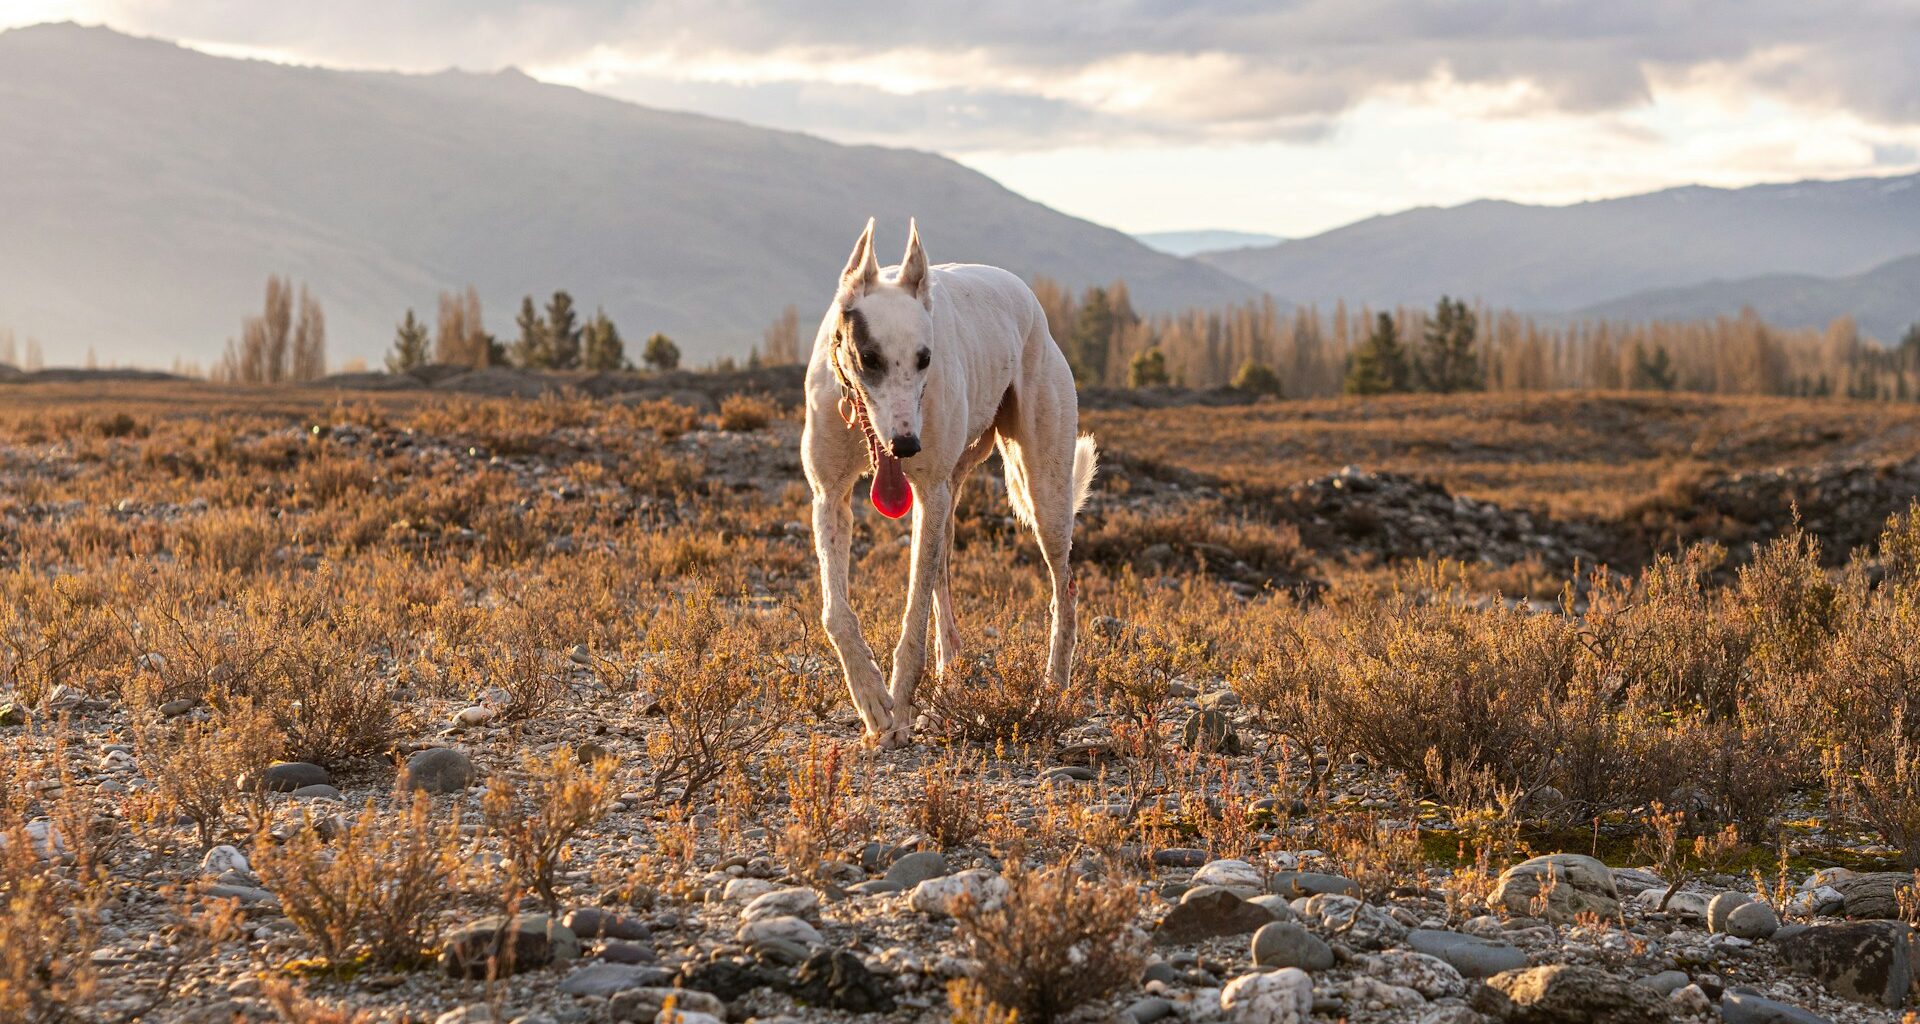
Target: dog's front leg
833,542
929,565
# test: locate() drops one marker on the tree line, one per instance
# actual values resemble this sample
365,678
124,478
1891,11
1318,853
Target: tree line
550,338
287,341
1457,346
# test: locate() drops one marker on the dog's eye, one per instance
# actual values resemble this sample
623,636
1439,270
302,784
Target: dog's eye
925,358
871,361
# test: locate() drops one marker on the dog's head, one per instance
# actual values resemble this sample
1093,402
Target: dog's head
886,332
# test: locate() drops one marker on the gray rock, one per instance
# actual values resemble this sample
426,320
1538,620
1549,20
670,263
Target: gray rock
176,708
1160,971
1580,885
1666,982
604,979
597,923
250,896
1745,1006
1209,732
319,792
1179,857
1294,884
1752,921
779,951
1288,944
1364,925
535,940
915,868
1210,915
1721,906
839,979
1569,994
1430,976
1471,955
875,887
287,776
1631,882
1869,961
617,951
1874,895
438,770
1146,1011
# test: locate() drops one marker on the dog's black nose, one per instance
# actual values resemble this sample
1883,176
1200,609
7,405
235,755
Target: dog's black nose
905,446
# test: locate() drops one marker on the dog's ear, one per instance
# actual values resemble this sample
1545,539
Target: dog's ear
913,266
863,271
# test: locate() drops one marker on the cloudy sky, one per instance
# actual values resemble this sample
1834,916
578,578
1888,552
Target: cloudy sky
1288,117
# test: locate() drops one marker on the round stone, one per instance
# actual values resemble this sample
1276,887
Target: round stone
439,770
1288,944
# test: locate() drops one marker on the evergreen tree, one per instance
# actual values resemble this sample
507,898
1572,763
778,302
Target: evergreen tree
1093,329
1448,362
1148,369
563,333
602,347
661,354
1379,366
1256,378
1651,372
530,349
410,345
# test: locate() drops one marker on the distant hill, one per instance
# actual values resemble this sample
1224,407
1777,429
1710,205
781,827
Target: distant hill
1561,258
146,191
1193,243
1885,300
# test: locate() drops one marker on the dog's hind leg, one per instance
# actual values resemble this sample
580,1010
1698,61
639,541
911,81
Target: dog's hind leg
1048,477
930,538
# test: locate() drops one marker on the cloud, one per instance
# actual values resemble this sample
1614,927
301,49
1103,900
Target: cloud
1014,74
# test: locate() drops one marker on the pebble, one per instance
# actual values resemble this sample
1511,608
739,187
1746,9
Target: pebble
940,897
1471,955
1284,996
1752,921
438,770
1288,944
792,902
287,776
478,714
914,868
1723,905
783,928
1236,876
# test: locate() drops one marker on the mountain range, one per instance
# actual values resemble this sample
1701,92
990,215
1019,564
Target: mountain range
1608,254
1193,243
147,190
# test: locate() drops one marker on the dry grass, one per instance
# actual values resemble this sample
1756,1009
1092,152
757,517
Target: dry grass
323,580
1055,942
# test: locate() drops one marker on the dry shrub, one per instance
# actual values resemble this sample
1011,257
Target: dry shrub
380,888
49,914
1878,779
718,685
1425,670
196,766
1005,696
1672,647
1055,942
824,808
535,824
953,805
967,1003
666,417
523,660
1134,668
52,629
746,412
1201,533
293,1006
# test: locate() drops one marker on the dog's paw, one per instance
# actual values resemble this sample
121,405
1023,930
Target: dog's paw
894,738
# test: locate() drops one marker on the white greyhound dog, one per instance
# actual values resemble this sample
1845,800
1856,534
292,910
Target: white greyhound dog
915,377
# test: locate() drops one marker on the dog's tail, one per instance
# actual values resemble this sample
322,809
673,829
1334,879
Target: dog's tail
1086,458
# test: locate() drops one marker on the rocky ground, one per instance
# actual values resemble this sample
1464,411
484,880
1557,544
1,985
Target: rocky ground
730,930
